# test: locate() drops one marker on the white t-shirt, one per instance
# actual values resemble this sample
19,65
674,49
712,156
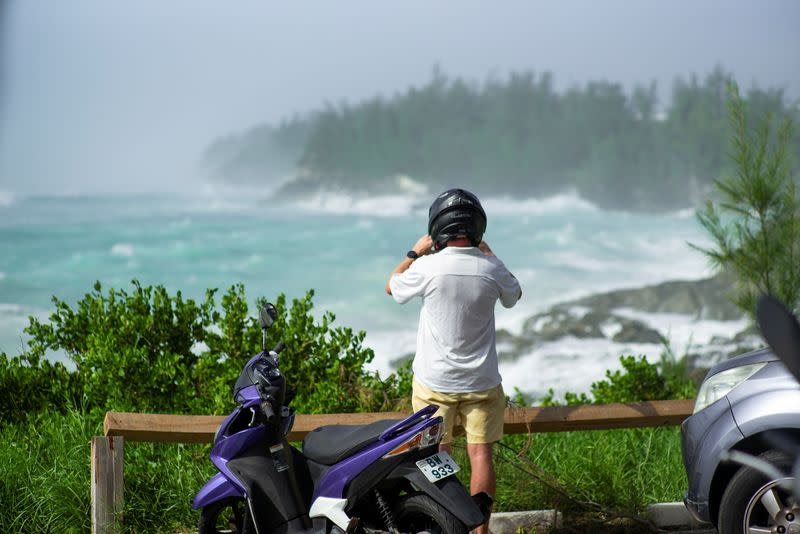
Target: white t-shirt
459,287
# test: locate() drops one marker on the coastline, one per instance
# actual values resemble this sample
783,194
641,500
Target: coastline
574,342
676,319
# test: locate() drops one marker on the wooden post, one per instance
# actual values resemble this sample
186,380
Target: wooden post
106,484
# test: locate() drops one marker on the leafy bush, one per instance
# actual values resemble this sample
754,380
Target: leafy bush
150,351
326,365
638,380
30,383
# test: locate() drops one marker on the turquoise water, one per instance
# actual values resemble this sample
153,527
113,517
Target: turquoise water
342,247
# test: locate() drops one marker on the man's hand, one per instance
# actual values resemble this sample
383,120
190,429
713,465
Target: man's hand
424,245
484,247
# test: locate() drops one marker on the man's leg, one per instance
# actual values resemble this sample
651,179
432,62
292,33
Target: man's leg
483,477
483,420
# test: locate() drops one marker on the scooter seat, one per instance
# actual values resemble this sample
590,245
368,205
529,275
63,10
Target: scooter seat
330,444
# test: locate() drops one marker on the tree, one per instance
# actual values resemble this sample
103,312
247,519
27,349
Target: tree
754,225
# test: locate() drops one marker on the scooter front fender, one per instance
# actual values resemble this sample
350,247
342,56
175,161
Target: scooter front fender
216,489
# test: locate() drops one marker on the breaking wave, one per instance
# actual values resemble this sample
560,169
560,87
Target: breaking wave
125,250
560,203
415,201
337,203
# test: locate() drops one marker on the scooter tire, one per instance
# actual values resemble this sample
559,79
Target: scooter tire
226,516
417,512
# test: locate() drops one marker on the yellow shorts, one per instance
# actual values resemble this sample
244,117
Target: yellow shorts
481,413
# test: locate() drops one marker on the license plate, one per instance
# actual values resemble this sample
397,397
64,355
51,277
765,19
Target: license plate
438,466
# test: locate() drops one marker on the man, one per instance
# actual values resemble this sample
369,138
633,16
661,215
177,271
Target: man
459,280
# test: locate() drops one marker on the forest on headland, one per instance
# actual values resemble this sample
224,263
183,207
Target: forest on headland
517,136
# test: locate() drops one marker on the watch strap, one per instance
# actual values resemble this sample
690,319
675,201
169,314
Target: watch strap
411,254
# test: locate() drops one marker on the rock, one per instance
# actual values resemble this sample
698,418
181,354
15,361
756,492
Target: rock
596,316
504,336
558,323
704,299
719,340
636,332
532,521
511,347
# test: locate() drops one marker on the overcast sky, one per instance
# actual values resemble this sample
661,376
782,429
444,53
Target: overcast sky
102,96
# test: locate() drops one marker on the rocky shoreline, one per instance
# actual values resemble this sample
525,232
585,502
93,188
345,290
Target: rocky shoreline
636,321
638,317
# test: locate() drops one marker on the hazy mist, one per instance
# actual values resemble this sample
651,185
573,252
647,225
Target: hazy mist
106,97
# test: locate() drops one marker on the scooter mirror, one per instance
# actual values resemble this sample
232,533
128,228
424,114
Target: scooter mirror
780,329
267,315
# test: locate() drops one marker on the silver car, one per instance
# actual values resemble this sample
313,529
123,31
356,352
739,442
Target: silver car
740,405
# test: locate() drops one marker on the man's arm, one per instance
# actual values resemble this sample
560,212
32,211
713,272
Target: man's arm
484,247
423,246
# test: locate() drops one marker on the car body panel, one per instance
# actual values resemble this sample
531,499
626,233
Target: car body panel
755,356
768,400
705,436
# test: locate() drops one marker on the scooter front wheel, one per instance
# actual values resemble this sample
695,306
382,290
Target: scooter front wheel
228,516
417,512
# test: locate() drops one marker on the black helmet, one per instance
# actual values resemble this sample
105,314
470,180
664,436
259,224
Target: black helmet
456,212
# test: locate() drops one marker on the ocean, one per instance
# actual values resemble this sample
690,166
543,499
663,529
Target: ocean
344,247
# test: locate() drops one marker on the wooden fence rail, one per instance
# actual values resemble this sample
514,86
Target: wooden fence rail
107,450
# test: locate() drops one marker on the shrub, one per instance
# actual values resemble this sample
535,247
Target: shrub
638,380
29,383
153,352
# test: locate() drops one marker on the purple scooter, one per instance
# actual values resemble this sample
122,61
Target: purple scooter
386,476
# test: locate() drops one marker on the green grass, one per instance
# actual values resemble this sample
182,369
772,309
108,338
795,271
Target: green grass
624,470
44,478
44,474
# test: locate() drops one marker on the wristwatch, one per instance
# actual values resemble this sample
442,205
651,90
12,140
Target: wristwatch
411,254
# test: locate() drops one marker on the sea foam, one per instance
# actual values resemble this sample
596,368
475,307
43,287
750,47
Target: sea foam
338,203
415,200
683,331
125,250
7,308
560,203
